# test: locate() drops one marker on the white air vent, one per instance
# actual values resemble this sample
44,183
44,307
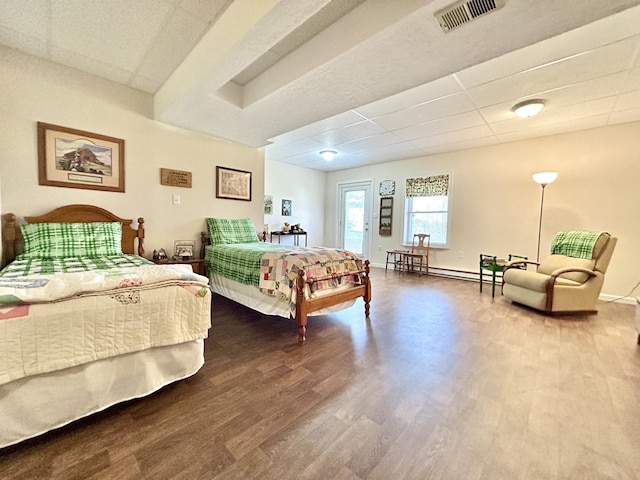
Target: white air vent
464,11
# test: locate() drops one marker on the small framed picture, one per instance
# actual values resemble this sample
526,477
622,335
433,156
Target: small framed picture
184,248
268,204
286,208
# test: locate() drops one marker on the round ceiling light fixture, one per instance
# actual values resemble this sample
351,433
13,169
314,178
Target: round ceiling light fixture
528,108
328,154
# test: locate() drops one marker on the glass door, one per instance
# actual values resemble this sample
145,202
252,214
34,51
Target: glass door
355,217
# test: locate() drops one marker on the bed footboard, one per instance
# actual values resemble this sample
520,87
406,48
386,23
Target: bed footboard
305,305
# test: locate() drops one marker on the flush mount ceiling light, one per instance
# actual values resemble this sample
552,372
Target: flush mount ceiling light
328,154
528,108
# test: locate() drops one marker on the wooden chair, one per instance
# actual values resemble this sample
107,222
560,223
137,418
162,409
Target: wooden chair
419,255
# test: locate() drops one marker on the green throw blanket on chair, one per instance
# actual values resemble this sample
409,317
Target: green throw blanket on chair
577,244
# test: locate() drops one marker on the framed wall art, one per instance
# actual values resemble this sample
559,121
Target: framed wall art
286,208
77,159
233,184
268,204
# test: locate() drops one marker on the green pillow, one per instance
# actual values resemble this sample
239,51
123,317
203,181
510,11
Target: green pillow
225,231
62,240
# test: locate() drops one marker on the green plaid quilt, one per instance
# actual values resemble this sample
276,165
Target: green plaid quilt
239,261
49,266
577,244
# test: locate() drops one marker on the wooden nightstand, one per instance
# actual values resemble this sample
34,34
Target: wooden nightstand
197,264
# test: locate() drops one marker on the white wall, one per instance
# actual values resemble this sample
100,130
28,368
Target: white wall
36,90
496,203
306,189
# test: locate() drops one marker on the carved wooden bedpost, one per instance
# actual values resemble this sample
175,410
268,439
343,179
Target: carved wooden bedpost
9,237
141,236
367,295
301,311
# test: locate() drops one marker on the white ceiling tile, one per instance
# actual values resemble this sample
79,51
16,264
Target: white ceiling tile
85,28
436,127
628,101
149,85
86,64
332,123
304,146
421,94
462,145
589,65
625,116
562,97
178,37
371,142
603,32
28,18
425,112
556,116
206,10
554,129
349,133
23,43
453,137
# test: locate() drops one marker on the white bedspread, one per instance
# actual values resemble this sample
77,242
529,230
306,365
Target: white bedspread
48,323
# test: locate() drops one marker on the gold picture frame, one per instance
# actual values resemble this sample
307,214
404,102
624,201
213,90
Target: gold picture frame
77,159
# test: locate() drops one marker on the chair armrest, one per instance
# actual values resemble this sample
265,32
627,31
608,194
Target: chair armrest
556,273
519,264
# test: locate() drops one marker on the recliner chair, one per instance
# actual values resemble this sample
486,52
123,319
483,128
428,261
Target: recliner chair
562,283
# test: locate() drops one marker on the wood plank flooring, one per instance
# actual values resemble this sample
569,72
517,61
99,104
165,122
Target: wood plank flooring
442,382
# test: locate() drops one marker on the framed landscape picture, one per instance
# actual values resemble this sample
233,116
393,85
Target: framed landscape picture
77,159
233,184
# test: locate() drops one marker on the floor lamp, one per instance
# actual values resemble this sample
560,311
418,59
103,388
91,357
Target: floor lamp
543,179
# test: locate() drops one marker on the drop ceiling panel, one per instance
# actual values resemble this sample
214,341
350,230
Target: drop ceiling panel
555,128
453,137
349,133
589,65
441,87
178,36
582,110
425,112
28,18
444,125
138,24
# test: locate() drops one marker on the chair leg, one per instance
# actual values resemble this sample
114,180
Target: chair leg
480,279
493,284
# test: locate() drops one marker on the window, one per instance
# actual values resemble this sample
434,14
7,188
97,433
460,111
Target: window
427,208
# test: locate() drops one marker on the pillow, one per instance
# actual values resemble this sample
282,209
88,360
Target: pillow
222,230
61,240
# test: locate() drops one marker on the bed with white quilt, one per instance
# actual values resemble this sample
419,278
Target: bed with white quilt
274,279
85,323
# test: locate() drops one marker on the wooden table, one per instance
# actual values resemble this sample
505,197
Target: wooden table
296,237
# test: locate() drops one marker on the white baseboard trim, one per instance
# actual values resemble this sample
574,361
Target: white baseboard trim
473,276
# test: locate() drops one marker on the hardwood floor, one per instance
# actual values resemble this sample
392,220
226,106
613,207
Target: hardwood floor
441,383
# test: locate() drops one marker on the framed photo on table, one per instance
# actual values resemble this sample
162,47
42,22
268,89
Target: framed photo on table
77,159
233,184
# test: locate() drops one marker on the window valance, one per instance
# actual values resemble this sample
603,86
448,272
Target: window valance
434,186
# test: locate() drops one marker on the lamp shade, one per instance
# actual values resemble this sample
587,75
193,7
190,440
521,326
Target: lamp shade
528,108
328,154
545,178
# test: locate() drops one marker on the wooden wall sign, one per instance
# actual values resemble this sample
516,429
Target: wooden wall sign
175,178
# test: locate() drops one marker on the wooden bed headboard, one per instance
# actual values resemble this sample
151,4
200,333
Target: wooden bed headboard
78,213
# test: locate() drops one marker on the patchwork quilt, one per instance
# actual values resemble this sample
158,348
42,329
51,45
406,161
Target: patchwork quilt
273,268
51,322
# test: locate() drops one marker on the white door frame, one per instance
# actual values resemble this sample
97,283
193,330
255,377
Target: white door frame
367,186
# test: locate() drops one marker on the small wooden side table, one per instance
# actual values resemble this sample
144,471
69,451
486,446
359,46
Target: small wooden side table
197,264
395,258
